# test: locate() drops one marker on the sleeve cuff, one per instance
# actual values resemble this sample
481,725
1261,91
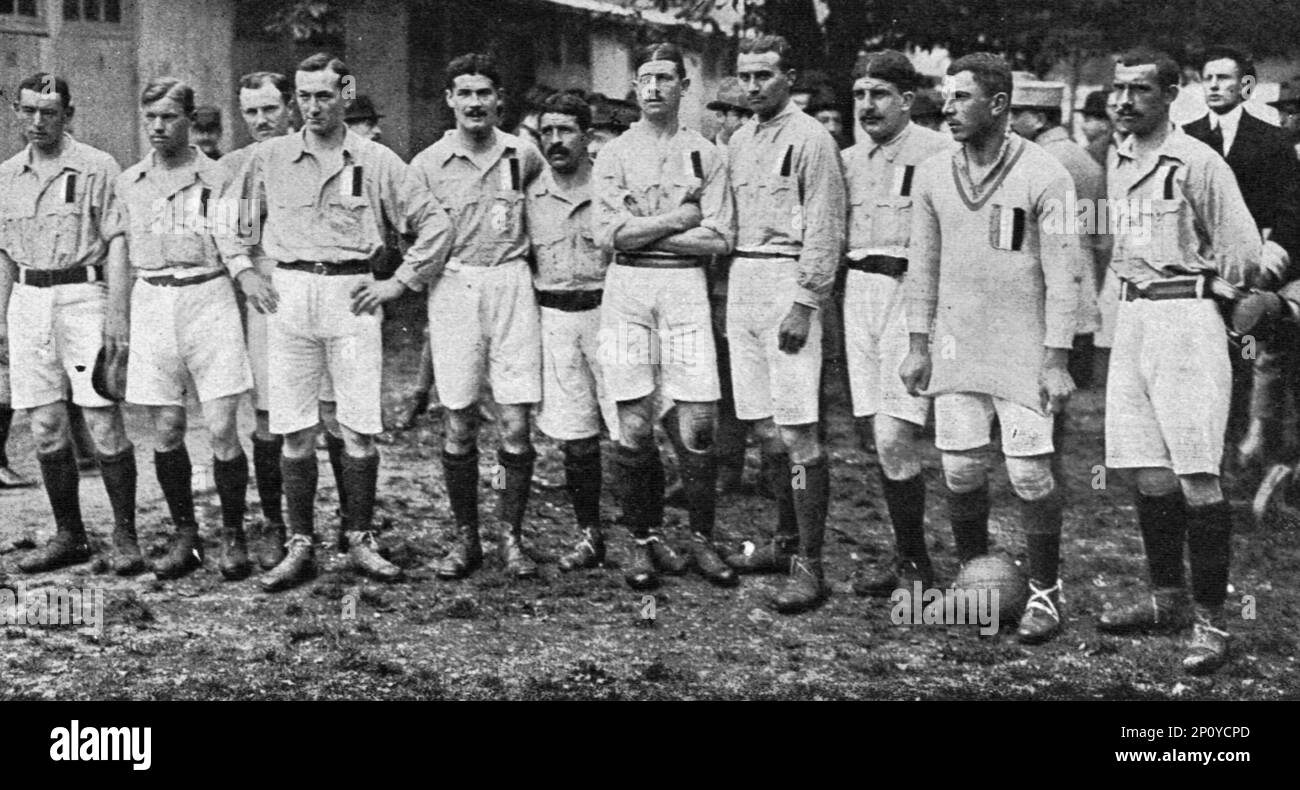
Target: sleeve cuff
809,298
238,265
408,276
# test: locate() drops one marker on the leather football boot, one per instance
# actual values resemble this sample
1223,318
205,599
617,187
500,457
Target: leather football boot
1042,618
64,549
588,553
1163,611
298,565
364,557
771,557
515,559
269,547
640,573
709,564
183,556
126,559
882,580
804,589
666,560
234,564
1210,644
464,558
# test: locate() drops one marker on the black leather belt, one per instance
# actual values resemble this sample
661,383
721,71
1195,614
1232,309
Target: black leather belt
169,280
1184,288
569,301
47,278
879,264
332,268
765,256
660,260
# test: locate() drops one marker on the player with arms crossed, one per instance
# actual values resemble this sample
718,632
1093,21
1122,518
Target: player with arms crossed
662,207
184,321
789,188
63,296
998,284
328,196
1170,380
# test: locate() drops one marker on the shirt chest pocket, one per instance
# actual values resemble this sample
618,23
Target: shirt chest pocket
776,199
347,215
505,214
1158,234
891,221
58,224
17,220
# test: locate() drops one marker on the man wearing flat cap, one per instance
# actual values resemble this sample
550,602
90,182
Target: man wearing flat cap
362,118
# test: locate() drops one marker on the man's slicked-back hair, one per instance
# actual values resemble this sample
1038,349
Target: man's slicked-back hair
756,45
660,50
160,88
255,81
1245,63
324,61
1167,71
991,72
41,82
568,104
891,66
473,63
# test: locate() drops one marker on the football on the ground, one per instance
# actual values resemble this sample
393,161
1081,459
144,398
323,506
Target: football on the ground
996,572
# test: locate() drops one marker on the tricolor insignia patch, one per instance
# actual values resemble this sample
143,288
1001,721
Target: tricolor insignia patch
1006,228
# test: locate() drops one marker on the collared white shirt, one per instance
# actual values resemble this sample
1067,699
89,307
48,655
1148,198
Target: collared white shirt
1227,123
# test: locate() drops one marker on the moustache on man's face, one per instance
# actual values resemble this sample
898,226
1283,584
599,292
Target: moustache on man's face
558,149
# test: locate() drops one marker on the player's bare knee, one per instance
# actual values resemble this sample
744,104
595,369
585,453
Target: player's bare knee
169,429
899,457
802,443
516,430
635,426
106,429
300,444
698,423
1201,489
1031,476
50,428
965,470
1157,481
461,430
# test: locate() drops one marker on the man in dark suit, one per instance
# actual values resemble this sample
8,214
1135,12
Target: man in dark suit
1264,162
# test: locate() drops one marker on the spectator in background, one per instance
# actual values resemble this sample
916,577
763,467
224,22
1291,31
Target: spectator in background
205,132
1096,126
363,119
927,109
1288,109
828,114
610,119
729,110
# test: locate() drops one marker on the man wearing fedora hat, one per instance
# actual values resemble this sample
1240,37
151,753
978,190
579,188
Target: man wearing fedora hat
1097,127
729,110
1288,108
363,119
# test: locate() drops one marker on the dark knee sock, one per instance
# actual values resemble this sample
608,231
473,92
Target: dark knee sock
460,474
6,419
174,472
969,514
776,474
231,478
360,479
700,481
119,474
300,479
334,446
62,481
811,500
1041,519
1209,543
582,480
905,500
512,502
640,480
1163,522
266,469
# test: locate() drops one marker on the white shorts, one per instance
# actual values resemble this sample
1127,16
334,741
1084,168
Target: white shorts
1169,386
1107,306
963,420
573,394
483,323
257,354
54,336
313,334
181,334
657,335
876,341
766,381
